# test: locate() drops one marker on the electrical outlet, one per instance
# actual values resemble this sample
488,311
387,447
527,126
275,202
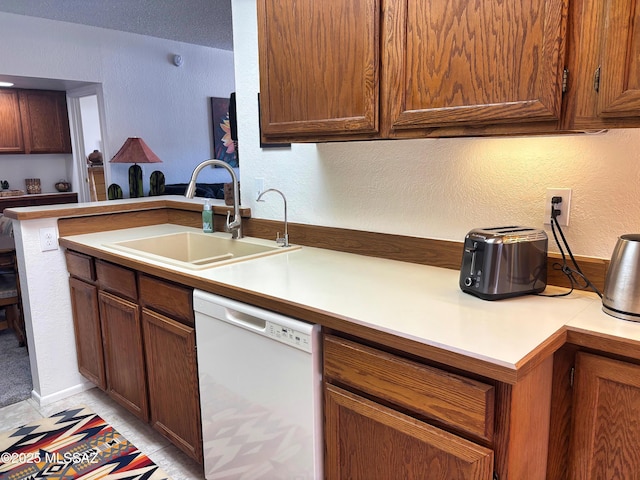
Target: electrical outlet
48,239
564,207
259,186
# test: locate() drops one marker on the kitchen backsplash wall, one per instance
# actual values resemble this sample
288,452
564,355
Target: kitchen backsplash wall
439,188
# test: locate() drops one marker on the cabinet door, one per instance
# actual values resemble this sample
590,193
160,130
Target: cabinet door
86,323
45,121
359,434
123,353
619,89
606,431
170,350
472,63
10,127
319,67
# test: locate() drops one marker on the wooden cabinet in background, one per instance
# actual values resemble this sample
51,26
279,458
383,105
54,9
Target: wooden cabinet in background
45,121
11,138
34,121
606,431
385,69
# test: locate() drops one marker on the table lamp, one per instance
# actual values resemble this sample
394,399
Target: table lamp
135,151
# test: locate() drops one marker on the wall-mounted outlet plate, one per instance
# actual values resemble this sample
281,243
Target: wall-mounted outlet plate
564,207
48,239
259,186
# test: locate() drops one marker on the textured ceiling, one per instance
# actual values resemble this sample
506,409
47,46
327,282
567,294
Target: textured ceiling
200,22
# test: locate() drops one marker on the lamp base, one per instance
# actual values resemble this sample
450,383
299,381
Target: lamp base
135,181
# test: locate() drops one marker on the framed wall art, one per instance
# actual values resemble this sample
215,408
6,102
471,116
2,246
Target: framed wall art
224,147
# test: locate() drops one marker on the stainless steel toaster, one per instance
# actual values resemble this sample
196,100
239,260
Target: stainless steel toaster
502,262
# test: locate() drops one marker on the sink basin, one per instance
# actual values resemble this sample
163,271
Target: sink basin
196,250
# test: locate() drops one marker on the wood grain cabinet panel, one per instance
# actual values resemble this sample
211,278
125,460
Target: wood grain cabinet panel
168,298
604,72
80,265
118,280
11,138
461,403
460,62
45,121
174,399
319,67
336,70
606,426
366,440
86,324
619,83
123,353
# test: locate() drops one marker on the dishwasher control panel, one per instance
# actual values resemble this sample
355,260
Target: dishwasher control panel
289,336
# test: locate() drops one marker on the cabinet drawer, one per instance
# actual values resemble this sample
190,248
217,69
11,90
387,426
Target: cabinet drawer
462,403
168,298
80,266
116,279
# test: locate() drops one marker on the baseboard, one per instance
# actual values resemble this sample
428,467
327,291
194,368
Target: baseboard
62,394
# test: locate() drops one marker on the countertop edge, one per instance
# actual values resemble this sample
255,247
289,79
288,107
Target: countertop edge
506,373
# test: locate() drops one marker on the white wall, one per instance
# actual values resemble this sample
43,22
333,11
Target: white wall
145,94
438,188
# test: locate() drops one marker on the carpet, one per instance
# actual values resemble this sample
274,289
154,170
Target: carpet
15,381
73,444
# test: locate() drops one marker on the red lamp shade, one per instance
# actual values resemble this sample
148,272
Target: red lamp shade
135,150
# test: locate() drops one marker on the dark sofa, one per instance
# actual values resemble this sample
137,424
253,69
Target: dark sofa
206,190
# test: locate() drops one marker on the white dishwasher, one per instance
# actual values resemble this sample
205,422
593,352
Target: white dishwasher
260,392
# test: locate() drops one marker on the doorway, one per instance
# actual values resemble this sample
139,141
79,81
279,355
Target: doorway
86,120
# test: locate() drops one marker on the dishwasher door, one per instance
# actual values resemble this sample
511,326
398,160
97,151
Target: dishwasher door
260,392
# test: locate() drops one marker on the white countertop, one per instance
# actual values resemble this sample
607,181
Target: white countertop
417,302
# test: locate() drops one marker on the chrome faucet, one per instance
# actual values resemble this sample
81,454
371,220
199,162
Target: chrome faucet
235,226
282,241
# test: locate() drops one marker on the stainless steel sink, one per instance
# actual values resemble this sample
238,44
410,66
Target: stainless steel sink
196,250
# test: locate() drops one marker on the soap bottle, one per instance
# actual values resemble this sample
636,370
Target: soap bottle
207,217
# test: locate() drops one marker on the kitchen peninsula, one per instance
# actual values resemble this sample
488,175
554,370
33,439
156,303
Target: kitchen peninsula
514,355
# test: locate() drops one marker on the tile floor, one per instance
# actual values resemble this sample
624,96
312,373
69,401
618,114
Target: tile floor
160,450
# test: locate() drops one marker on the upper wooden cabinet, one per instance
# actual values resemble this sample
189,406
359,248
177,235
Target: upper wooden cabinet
34,121
337,70
604,82
471,63
11,139
45,121
319,67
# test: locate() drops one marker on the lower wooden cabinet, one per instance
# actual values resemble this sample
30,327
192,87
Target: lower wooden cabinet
86,324
606,423
172,379
385,417
368,441
135,339
123,353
